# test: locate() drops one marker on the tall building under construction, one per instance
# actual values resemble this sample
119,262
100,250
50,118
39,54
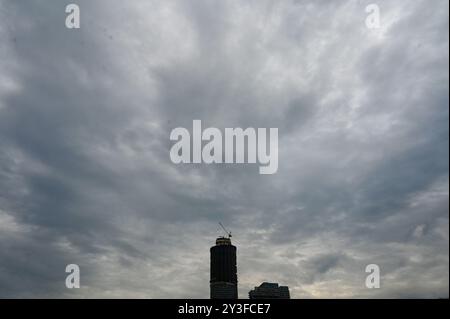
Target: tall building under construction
223,280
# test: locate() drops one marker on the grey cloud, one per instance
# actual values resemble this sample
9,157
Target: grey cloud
85,173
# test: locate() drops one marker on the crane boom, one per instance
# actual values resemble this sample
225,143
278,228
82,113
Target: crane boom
226,231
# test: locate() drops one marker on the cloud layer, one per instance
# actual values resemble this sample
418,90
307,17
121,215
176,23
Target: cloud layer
85,173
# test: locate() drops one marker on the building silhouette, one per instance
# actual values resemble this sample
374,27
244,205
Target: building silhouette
269,290
223,280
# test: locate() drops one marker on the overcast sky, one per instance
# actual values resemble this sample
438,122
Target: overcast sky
86,176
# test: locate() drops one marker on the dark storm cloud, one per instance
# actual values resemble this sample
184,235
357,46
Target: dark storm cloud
85,173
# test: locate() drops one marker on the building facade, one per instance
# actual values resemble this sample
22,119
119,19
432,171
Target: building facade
269,290
223,279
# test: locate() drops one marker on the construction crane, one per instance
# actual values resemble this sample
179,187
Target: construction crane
226,231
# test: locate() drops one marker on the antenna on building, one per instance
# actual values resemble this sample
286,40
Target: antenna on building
226,231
